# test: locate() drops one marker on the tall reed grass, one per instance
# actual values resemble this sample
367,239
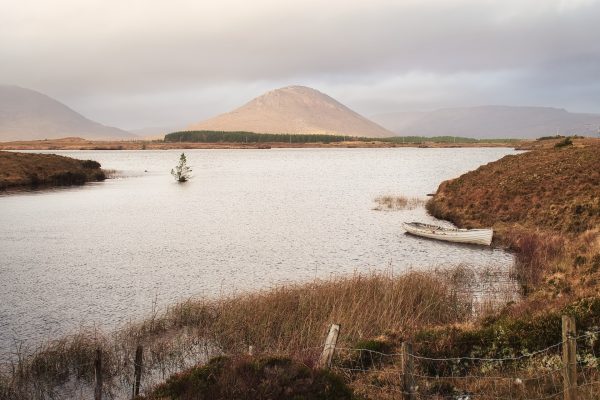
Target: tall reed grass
288,320
537,254
297,316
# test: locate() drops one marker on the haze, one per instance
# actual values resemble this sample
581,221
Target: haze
134,64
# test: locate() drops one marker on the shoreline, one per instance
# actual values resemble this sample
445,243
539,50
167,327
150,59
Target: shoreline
552,246
74,143
81,144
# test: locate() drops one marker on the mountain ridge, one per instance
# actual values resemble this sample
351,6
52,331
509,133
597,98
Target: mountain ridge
26,114
491,121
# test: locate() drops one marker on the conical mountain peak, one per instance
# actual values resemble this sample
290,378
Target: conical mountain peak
294,110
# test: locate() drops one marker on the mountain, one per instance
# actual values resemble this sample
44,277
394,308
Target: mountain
29,115
491,122
294,110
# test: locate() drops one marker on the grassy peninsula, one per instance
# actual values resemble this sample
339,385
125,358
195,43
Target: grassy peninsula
545,205
20,170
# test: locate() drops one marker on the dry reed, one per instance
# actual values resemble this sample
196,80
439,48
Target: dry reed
537,253
395,203
295,317
290,320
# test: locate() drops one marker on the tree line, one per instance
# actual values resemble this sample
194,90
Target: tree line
252,137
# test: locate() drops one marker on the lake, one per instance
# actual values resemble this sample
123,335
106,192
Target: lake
104,253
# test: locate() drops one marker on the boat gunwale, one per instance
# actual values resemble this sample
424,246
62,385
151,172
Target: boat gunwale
420,225
467,236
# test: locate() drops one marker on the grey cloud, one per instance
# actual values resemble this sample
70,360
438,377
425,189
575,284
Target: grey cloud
120,66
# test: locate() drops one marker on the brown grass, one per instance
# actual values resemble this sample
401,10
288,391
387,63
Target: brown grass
394,203
252,378
537,256
290,320
545,206
554,189
28,169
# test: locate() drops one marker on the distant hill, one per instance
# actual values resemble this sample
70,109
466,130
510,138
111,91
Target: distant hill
294,110
29,115
491,122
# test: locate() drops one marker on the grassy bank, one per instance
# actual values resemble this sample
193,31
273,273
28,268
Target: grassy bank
287,325
545,205
554,190
253,378
33,170
289,321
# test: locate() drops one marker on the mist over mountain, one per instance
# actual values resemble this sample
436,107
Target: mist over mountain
154,132
491,122
294,110
29,115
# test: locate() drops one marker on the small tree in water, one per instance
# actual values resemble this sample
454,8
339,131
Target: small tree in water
182,172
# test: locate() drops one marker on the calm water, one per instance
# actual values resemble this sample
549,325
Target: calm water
249,219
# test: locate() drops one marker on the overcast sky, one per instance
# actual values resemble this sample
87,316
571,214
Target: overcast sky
137,63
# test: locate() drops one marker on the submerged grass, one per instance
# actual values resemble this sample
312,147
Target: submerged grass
394,203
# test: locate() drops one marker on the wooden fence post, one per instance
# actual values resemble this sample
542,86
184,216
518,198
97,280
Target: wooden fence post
329,347
569,357
98,375
137,370
408,377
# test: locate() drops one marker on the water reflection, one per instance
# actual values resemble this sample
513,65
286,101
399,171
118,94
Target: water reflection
249,219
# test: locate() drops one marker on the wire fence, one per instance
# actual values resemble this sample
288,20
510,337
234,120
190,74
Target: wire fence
537,375
569,369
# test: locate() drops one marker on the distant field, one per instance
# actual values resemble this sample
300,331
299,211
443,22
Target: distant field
251,140
252,137
445,139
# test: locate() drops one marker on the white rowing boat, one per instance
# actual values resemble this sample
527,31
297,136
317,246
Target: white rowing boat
475,236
